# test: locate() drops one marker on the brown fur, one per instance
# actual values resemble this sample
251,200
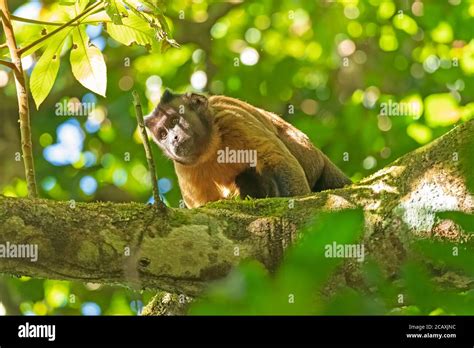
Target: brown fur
287,163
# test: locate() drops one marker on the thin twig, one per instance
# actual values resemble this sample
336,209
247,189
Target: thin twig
33,21
58,24
7,64
34,43
22,96
149,155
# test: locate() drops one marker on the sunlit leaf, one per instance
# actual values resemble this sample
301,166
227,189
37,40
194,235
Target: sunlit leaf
87,63
151,13
46,42
133,30
466,221
45,72
116,10
76,8
99,17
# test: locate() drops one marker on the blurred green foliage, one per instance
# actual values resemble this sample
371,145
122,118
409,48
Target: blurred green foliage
300,286
337,70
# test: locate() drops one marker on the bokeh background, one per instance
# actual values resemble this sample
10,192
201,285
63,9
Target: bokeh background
325,66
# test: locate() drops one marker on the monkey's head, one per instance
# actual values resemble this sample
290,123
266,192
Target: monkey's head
181,126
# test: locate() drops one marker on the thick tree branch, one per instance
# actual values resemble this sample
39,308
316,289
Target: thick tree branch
182,251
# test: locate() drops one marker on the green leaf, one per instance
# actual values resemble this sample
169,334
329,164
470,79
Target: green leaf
140,6
168,43
466,221
75,8
45,72
116,10
96,18
87,62
67,2
151,13
133,30
45,29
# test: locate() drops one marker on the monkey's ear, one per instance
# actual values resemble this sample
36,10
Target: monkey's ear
197,100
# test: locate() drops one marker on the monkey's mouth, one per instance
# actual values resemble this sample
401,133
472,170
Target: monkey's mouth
185,153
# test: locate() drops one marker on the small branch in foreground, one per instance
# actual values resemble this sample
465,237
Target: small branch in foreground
57,24
22,96
33,21
149,155
7,64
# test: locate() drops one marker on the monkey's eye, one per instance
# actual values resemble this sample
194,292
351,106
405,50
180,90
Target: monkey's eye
174,121
162,134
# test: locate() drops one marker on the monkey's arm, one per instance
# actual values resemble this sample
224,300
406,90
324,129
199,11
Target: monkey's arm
285,180
273,181
278,174
331,177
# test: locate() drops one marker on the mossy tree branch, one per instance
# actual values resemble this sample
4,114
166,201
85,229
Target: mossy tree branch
183,250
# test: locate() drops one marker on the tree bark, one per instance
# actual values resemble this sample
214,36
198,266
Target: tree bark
183,250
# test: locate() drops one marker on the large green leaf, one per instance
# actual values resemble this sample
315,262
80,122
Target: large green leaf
87,62
150,12
133,30
116,10
75,8
30,38
45,72
63,13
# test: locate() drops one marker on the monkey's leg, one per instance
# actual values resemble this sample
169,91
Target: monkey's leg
285,180
251,184
331,177
273,181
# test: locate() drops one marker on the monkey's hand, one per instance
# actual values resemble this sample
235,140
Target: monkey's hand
285,180
275,180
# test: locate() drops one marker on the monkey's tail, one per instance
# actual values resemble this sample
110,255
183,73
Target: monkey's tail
331,178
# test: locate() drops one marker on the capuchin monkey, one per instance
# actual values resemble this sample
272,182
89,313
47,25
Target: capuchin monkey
222,147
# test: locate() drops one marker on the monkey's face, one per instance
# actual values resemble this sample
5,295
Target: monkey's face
181,126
